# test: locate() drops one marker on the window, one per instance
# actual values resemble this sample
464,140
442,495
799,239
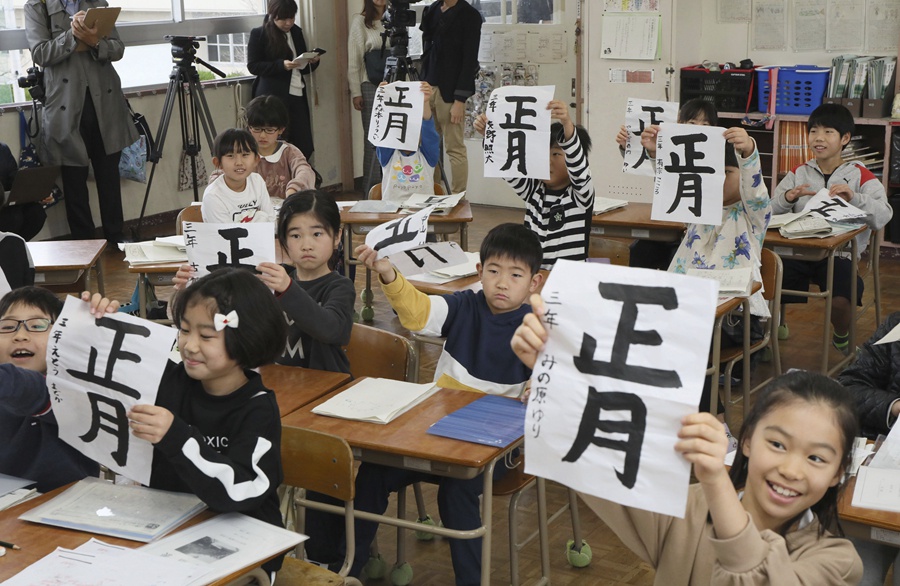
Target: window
229,51
518,11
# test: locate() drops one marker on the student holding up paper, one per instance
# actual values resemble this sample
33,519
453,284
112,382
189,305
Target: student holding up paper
559,209
239,194
795,446
29,441
830,128
874,381
476,357
408,172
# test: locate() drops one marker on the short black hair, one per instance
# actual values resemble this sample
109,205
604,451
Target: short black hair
37,297
698,108
262,331
267,111
558,133
513,241
832,116
227,139
312,201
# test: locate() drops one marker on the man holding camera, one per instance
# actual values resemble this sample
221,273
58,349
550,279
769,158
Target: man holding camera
82,88
451,34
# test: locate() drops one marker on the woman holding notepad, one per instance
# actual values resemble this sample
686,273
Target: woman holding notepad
82,88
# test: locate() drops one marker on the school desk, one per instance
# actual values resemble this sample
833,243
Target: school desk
456,220
38,540
815,249
405,443
295,386
722,310
868,524
64,265
633,221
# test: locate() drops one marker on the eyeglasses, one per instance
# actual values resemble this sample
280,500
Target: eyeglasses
35,324
258,130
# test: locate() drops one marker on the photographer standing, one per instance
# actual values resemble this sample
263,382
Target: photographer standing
82,88
451,34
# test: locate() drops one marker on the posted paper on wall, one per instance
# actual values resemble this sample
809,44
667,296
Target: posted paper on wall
97,370
624,362
640,114
690,173
215,246
397,116
401,234
517,133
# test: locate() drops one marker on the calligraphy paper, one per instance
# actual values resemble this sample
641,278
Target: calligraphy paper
400,234
625,360
690,173
434,256
214,246
396,121
891,336
833,209
97,370
640,114
517,133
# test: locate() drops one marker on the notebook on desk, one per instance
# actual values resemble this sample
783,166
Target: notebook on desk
491,421
32,185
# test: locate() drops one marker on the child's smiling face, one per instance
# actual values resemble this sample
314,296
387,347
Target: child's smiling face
23,348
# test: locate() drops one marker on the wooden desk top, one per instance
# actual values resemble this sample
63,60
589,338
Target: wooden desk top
849,513
295,387
38,540
172,267
634,215
774,238
461,213
407,435
65,255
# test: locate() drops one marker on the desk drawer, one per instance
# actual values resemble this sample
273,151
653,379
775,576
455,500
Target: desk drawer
57,277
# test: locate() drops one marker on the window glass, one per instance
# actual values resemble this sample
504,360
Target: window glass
144,10
494,11
228,52
202,9
534,12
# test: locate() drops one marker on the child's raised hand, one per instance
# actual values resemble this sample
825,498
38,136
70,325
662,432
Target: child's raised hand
150,422
796,193
480,124
841,190
531,336
427,91
648,139
703,443
99,304
559,110
742,142
183,276
273,276
368,257
622,137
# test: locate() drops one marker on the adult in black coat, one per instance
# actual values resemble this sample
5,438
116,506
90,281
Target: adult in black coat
874,380
270,53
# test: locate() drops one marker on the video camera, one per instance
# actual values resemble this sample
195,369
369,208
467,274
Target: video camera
397,19
34,82
184,49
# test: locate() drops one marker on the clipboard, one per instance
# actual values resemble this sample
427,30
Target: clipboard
104,18
32,185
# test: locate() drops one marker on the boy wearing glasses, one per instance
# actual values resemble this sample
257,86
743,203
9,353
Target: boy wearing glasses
29,443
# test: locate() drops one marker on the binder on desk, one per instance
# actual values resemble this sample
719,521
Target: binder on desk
491,421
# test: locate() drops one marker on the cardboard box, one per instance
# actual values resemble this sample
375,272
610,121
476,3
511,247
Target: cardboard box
876,108
854,105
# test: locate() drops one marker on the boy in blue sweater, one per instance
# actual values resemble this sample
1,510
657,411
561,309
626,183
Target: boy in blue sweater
476,357
29,442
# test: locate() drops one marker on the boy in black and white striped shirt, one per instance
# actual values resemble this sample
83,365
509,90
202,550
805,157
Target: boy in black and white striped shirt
559,209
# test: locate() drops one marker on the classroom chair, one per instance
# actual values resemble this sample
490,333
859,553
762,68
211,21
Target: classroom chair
617,252
873,268
771,271
381,354
16,263
189,214
321,462
375,191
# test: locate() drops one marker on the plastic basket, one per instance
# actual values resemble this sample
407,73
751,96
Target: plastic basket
800,89
727,89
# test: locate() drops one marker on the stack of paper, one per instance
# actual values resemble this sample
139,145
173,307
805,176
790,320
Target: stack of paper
466,269
375,206
376,400
441,203
490,421
806,227
736,282
143,253
779,220
605,204
174,241
129,512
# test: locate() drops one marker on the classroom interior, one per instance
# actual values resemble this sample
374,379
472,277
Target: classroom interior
612,563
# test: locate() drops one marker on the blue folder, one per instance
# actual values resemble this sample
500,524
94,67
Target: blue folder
491,421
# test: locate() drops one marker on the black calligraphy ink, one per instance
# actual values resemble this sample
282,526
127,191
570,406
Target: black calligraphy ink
634,429
515,146
653,111
401,94
398,236
515,152
398,120
689,180
121,330
421,262
115,423
626,336
520,112
233,236
829,206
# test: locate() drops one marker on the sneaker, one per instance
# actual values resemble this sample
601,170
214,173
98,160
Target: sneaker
783,332
842,343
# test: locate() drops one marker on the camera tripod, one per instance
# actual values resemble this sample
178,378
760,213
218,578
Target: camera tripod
193,110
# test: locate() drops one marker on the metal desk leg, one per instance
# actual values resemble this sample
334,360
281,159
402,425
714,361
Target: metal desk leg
716,353
98,267
464,235
826,339
142,294
487,512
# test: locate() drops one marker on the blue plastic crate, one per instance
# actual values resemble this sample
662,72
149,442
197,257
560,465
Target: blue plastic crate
800,89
